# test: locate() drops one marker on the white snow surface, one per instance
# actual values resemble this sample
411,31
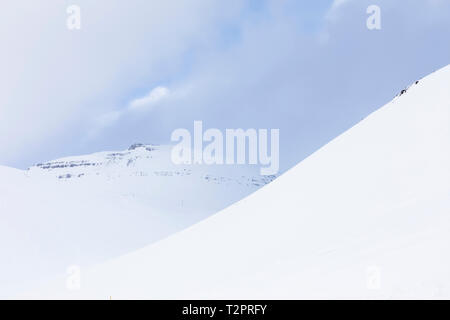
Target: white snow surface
366,216
88,209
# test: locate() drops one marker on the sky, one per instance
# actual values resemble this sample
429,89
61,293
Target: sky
139,69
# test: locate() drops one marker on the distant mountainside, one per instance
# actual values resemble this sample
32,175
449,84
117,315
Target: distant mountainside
144,161
85,209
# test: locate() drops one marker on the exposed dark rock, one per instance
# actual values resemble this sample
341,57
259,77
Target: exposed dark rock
135,146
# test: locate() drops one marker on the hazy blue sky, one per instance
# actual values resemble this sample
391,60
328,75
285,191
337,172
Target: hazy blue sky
310,68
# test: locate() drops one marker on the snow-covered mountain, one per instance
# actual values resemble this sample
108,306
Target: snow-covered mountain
86,209
142,160
366,216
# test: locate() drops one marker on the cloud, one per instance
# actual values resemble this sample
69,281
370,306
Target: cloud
103,121
150,100
54,81
143,104
338,3
277,76
228,66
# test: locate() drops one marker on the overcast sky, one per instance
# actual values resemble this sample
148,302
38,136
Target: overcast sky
139,69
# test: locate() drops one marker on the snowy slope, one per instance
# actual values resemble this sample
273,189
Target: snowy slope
366,216
86,209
